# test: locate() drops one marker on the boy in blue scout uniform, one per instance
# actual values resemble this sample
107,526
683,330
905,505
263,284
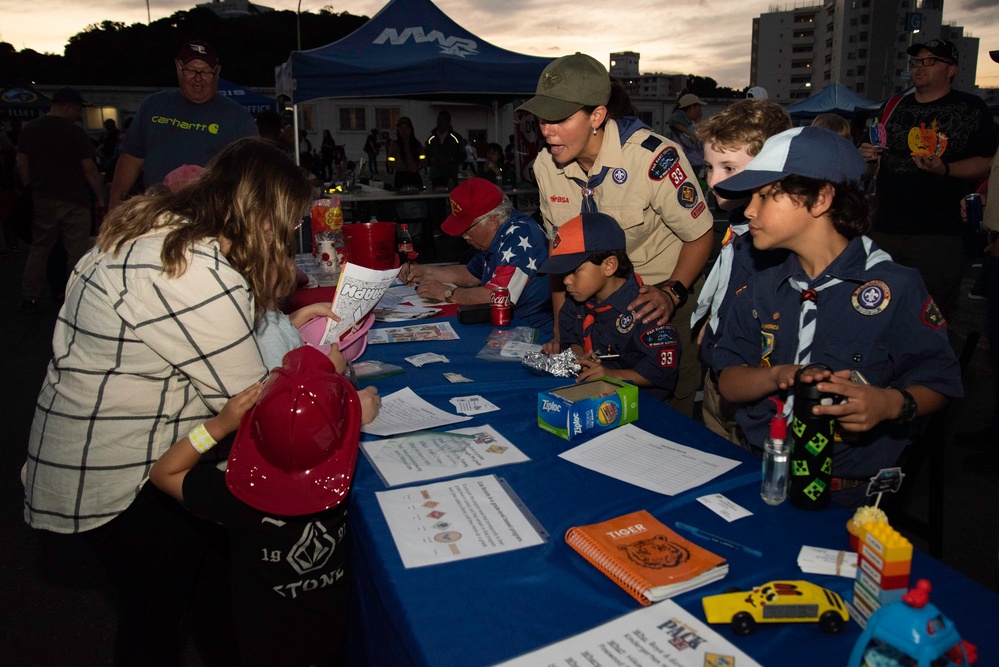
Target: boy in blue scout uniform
595,321
838,300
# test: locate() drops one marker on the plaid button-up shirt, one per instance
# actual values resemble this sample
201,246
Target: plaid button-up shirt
139,359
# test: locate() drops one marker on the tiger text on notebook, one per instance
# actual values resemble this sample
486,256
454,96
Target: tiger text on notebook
645,558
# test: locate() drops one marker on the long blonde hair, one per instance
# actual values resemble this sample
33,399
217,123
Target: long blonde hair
249,185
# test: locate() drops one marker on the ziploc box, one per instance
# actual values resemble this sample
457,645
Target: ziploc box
598,405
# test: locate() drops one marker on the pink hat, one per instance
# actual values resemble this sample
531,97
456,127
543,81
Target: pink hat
182,176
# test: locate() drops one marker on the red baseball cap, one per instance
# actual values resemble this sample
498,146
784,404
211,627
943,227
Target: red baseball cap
296,449
473,198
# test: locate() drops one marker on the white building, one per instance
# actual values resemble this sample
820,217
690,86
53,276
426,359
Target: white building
799,50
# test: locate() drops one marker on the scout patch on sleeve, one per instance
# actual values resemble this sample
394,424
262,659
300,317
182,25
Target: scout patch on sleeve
667,356
686,194
766,348
660,336
651,143
661,165
931,316
676,175
871,298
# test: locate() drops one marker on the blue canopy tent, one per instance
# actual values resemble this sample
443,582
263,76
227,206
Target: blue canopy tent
410,49
253,102
834,98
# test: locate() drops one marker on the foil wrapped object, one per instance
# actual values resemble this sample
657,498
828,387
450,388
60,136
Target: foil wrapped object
562,365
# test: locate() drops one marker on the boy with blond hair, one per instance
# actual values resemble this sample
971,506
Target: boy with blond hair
731,139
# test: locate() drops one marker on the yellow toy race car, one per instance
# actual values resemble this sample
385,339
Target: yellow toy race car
777,602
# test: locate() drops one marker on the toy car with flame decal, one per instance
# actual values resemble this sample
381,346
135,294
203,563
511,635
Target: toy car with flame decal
777,602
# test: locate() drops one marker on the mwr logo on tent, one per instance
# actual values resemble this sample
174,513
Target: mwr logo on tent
455,46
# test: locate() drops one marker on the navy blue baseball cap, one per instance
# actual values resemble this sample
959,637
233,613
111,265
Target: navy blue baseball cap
812,152
579,238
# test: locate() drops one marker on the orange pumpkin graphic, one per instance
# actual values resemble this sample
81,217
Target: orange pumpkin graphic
927,140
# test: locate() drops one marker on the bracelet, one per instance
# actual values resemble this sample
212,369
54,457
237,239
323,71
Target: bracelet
946,170
201,439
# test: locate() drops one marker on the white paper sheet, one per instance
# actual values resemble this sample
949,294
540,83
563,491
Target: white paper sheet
635,456
455,520
403,412
357,292
663,634
426,455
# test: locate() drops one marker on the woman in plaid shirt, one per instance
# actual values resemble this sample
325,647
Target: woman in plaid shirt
155,335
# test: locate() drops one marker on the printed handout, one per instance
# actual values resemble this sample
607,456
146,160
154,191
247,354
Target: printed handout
455,520
413,334
357,292
635,456
403,412
663,634
425,455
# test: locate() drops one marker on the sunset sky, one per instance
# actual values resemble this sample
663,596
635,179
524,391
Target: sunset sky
707,38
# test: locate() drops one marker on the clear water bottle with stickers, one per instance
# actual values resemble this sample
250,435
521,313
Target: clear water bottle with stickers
776,451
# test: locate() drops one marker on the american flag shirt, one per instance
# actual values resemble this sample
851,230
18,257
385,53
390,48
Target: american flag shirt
512,260
138,360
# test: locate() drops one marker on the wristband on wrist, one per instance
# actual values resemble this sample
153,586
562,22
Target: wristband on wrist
201,439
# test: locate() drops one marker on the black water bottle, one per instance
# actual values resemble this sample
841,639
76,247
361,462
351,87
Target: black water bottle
811,445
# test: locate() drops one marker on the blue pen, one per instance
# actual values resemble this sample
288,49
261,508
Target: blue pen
720,540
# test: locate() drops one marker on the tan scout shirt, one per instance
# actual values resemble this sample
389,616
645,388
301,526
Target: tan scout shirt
650,190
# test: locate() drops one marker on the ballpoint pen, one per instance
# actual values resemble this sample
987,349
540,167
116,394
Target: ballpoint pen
720,540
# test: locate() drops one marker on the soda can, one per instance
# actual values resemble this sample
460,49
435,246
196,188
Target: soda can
500,308
973,208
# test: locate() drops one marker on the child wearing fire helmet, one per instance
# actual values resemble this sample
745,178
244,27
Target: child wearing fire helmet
282,503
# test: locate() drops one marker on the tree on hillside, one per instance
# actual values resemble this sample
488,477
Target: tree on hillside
114,54
705,86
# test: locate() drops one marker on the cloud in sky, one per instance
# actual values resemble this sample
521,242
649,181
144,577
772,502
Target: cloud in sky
705,37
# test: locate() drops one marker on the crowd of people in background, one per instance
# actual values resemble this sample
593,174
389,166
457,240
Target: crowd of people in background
614,265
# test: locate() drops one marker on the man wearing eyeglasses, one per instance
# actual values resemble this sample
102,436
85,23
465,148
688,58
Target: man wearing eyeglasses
178,126
510,247
939,142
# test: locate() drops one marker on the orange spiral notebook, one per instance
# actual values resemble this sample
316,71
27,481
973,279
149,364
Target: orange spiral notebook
645,558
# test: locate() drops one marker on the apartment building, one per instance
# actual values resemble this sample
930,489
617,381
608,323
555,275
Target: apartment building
799,50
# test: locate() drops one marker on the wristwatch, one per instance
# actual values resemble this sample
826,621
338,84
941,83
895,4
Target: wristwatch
677,289
448,293
909,407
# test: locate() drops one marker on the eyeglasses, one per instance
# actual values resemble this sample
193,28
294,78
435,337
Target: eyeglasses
929,61
197,73
464,234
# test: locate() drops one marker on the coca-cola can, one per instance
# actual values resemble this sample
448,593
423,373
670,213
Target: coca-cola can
500,308
973,208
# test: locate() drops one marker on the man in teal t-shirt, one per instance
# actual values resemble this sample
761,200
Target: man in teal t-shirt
185,125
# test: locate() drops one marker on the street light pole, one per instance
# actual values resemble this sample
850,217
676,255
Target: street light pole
298,24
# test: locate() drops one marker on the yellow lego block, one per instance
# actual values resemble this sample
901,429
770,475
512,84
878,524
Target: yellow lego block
887,542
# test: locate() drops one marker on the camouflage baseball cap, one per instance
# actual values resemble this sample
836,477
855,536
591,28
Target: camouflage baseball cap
567,85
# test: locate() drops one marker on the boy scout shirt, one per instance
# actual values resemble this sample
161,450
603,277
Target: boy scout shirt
879,321
651,351
649,187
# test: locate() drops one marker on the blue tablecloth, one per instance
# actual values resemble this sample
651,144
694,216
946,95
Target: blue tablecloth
485,610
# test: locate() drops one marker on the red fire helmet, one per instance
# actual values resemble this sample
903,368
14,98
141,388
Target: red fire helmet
295,451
